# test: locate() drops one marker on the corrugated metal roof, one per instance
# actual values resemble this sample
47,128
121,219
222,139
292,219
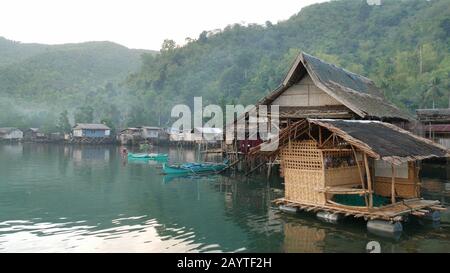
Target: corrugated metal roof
7,130
91,126
209,130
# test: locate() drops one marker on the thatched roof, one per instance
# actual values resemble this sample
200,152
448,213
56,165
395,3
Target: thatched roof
91,126
356,92
377,139
382,140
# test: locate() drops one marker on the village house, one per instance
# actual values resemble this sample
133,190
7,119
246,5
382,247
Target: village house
435,124
143,134
91,133
130,136
154,134
314,88
208,134
91,130
10,134
177,137
34,134
341,149
203,136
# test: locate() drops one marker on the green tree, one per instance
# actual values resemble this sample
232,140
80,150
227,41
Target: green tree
63,122
84,114
168,45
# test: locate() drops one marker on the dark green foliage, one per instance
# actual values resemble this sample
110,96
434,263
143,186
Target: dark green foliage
401,45
63,122
84,114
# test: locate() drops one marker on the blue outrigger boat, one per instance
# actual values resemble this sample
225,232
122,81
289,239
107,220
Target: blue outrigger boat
194,168
147,156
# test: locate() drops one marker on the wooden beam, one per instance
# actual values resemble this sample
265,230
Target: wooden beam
254,169
361,176
393,184
438,208
320,135
369,180
328,138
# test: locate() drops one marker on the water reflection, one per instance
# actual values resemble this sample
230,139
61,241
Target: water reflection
57,198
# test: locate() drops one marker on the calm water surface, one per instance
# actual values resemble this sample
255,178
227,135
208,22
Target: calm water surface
88,199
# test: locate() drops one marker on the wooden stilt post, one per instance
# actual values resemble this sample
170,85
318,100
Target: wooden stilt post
320,136
269,168
369,180
393,184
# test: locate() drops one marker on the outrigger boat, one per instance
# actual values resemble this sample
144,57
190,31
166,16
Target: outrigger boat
194,168
147,156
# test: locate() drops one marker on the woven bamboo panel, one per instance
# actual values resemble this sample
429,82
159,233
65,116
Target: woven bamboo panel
403,187
343,176
303,185
338,153
303,172
302,155
303,239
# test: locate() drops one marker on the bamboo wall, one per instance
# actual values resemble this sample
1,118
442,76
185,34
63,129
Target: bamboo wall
346,175
405,187
303,172
305,93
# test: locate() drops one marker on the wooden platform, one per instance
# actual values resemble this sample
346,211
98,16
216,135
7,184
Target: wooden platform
393,212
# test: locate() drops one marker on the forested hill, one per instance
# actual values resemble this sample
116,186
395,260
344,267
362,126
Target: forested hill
37,72
39,81
404,46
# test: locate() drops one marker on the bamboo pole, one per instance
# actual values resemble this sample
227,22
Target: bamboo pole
320,135
323,143
393,184
254,169
369,181
361,176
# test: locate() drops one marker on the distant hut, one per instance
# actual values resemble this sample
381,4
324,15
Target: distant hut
141,134
435,124
34,135
10,134
154,134
208,134
91,133
130,136
181,137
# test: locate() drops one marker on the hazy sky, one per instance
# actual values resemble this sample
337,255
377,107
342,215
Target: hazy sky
133,23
